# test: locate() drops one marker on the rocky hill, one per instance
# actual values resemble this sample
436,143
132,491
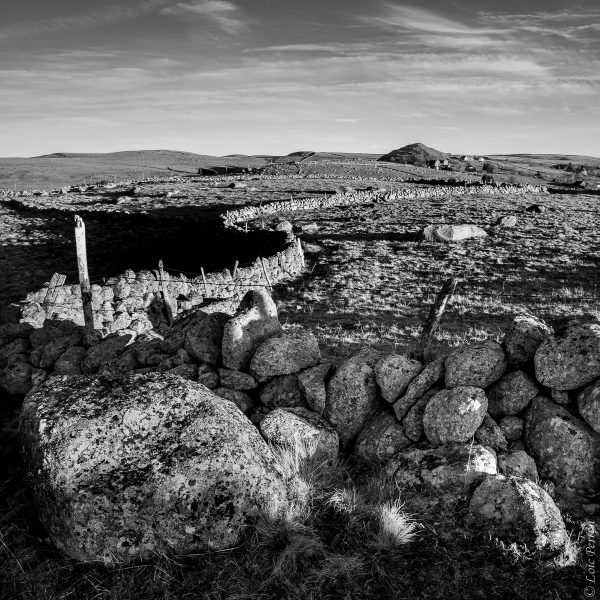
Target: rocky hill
414,154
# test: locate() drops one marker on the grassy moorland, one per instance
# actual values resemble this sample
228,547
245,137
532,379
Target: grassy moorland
369,281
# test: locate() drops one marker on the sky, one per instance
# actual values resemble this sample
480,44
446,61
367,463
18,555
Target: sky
276,76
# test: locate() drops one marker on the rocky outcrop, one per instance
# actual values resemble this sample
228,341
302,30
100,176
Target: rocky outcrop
452,233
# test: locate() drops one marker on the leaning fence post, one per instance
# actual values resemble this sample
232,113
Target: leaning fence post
422,350
84,279
204,282
266,274
301,252
165,293
235,268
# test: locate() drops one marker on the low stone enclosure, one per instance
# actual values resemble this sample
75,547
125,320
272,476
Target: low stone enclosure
164,444
133,301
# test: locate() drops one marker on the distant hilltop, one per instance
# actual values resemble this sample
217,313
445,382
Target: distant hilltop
414,154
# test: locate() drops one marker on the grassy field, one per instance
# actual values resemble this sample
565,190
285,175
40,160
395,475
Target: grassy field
369,281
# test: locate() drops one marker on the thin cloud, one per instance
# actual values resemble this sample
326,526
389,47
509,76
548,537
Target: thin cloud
105,16
221,12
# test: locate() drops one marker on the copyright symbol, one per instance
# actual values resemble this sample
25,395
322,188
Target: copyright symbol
589,591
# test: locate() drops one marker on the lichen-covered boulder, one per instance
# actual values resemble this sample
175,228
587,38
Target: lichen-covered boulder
453,467
289,353
564,448
282,392
142,466
424,381
393,373
478,365
454,415
490,434
588,402
254,322
413,422
512,427
18,346
381,438
523,338
352,396
511,394
570,358
518,464
236,380
313,384
303,429
519,510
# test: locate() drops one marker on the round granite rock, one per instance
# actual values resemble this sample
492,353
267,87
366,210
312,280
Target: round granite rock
454,415
478,365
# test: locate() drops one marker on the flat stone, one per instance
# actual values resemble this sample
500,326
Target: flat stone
424,381
313,384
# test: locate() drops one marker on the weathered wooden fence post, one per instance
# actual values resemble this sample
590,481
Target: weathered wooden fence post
422,350
235,268
204,282
266,274
165,292
84,279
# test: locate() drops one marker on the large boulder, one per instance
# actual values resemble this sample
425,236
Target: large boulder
301,428
381,438
454,415
523,338
352,396
454,467
393,373
313,384
588,402
478,365
570,358
254,322
565,449
142,466
291,352
423,382
519,510
452,233
511,394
